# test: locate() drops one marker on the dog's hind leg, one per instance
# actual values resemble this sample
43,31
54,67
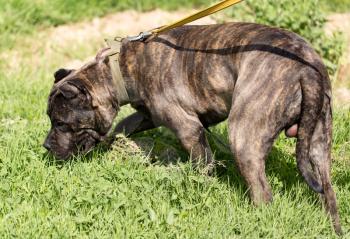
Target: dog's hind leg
320,154
251,139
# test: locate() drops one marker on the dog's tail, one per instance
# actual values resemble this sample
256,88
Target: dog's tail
315,137
312,103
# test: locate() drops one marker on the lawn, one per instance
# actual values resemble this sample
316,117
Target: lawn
127,192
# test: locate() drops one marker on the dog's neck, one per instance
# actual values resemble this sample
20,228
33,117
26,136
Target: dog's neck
119,86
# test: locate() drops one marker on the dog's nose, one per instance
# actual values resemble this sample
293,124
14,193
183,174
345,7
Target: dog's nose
47,145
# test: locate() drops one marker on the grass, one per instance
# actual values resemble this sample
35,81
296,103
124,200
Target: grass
336,5
121,193
124,193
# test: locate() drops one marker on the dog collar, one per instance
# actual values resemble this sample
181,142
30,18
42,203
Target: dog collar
113,55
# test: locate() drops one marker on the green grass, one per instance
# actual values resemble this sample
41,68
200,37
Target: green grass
123,193
336,5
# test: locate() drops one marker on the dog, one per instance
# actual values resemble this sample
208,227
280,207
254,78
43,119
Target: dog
262,79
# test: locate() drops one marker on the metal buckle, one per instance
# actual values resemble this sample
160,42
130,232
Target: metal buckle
118,39
141,37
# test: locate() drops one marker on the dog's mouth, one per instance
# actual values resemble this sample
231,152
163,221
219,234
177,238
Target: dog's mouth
64,146
88,140
86,145
60,153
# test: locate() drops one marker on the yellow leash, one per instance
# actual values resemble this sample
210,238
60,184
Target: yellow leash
206,12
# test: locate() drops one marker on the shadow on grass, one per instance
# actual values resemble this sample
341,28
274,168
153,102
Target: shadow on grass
280,168
280,165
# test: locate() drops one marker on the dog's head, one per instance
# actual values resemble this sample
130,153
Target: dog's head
81,109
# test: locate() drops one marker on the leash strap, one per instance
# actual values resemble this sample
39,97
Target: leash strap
206,12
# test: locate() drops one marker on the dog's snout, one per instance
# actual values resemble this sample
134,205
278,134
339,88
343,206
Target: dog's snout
47,145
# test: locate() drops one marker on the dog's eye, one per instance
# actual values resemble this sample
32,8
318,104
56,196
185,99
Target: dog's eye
59,124
62,126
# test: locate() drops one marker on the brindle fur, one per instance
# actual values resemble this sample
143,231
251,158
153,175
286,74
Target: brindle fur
263,79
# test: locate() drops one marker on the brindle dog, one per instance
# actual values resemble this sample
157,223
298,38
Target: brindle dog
263,79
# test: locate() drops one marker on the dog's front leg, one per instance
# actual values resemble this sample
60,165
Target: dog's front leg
191,133
135,123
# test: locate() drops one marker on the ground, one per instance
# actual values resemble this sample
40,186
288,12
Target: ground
144,187
341,22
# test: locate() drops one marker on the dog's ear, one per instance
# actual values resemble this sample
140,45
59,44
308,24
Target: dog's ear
69,91
102,55
61,74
